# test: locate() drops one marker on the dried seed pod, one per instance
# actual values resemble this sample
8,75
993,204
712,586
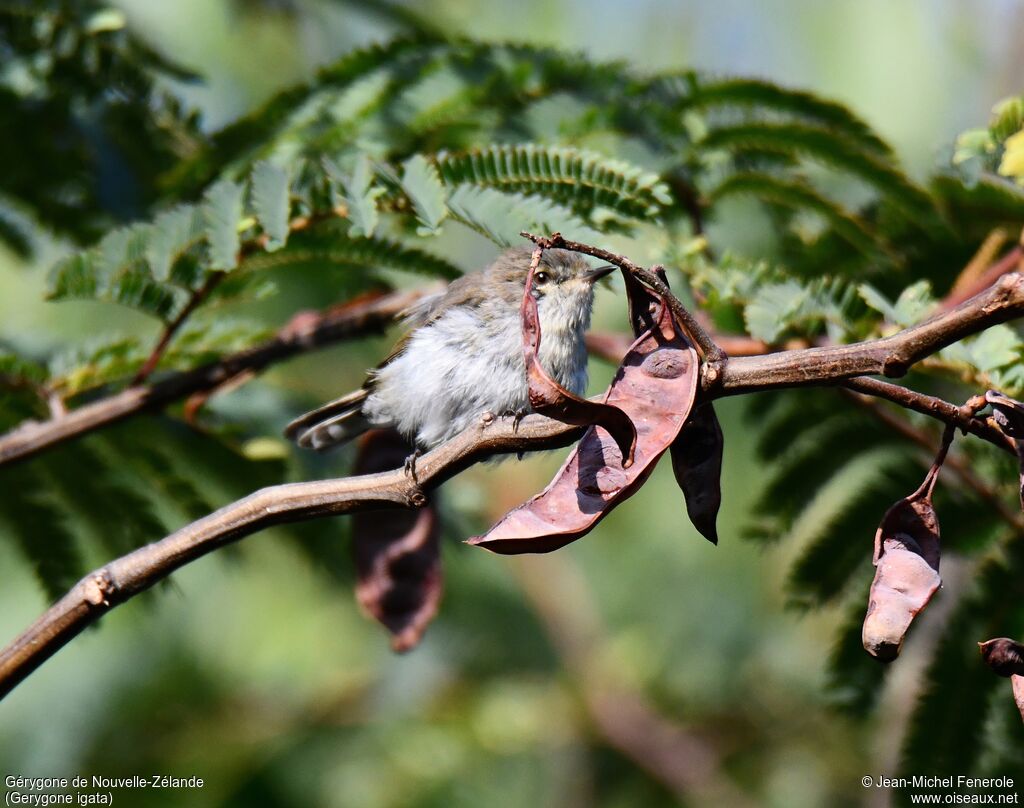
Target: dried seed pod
396,551
906,562
1017,682
697,465
655,387
1009,414
1003,655
549,398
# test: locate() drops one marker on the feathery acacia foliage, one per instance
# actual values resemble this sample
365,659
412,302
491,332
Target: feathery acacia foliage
366,170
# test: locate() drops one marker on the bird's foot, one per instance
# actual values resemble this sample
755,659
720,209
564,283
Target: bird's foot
410,465
516,416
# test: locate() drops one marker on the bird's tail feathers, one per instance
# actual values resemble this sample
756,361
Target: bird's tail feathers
333,424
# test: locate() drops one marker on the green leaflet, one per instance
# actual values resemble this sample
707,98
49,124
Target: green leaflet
913,304
173,232
421,183
222,212
15,368
271,202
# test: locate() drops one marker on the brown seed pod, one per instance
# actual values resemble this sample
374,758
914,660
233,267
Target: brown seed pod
655,387
1009,414
396,551
549,398
1003,655
697,464
906,562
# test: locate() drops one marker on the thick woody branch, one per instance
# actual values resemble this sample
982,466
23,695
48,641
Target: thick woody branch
305,333
100,591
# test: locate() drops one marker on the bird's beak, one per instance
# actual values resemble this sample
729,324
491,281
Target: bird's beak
596,274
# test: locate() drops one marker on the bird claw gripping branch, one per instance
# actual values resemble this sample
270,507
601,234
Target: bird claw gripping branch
654,387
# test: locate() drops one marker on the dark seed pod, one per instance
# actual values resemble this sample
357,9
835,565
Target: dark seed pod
396,551
697,465
1003,655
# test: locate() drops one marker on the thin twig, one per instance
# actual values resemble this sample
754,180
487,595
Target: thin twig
961,417
315,330
171,329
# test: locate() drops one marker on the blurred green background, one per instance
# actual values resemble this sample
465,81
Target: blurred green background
255,671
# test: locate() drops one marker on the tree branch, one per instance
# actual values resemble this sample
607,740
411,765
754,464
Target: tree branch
102,590
962,417
890,356
306,332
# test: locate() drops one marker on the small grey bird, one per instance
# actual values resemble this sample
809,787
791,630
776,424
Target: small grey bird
463,354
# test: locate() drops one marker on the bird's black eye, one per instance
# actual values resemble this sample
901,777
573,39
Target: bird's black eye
541,277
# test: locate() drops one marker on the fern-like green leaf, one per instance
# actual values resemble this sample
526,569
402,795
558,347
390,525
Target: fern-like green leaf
837,527
822,145
758,94
583,180
32,520
798,195
102,496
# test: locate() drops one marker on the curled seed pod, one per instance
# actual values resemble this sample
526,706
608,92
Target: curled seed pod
396,551
549,398
1003,655
906,562
1009,414
697,465
655,386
